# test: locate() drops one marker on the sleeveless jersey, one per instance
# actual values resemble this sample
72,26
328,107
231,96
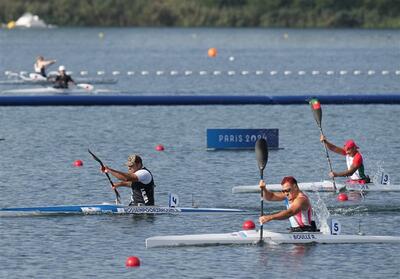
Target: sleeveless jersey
39,70
357,161
143,193
302,218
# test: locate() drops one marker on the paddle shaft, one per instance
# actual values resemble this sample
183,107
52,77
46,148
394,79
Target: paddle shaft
261,149
262,205
117,195
327,157
317,112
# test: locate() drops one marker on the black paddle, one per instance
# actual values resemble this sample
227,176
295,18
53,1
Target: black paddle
262,159
317,112
117,195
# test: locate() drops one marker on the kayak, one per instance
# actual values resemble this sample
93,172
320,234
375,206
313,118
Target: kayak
108,208
253,237
50,90
323,186
39,80
56,91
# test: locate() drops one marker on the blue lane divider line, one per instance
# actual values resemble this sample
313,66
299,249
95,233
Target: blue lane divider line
153,100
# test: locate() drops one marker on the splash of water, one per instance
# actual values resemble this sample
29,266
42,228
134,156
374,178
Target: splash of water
322,214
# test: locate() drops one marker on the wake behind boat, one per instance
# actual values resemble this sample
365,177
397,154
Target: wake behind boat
253,237
108,208
323,186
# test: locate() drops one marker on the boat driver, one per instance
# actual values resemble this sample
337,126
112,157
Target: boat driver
298,206
354,161
138,178
41,64
62,80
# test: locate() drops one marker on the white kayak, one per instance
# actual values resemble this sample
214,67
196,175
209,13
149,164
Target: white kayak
323,186
93,80
108,208
253,237
81,88
34,78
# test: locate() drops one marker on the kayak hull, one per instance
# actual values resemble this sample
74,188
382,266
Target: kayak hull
323,186
253,237
111,209
47,82
45,90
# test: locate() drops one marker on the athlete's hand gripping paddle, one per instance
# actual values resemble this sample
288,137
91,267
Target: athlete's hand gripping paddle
261,149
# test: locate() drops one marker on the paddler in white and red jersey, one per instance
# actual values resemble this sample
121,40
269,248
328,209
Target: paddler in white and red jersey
298,206
354,160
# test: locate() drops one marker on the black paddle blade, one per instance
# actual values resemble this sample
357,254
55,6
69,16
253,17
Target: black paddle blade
261,153
316,109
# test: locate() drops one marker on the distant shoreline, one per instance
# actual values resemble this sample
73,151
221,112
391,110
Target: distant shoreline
383,14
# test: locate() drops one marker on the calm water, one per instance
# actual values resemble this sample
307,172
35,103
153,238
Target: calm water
41,144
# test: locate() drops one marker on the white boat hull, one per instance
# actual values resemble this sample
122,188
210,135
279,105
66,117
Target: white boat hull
253,237
94,80
109,209
46,90
323,186
54,91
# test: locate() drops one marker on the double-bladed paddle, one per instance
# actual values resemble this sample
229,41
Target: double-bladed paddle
261,149
317,112
117,195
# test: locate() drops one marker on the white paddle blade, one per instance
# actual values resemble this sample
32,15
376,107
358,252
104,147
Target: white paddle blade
86,86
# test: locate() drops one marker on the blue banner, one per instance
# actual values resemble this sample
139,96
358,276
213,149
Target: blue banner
241,138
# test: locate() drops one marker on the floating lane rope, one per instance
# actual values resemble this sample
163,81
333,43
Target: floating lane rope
259,72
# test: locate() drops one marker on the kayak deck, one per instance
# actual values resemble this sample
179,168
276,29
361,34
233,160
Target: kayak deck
323,186
253,237
94,80
111,209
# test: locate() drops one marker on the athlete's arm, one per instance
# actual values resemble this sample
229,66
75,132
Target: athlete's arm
332,147
270,196
122,184
123,176
297,205
348,172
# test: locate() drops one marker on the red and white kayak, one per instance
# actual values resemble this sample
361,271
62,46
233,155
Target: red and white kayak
253,237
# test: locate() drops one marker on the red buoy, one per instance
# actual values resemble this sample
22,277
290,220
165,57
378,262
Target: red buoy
78,163
160,147
249,225
342,197
132,261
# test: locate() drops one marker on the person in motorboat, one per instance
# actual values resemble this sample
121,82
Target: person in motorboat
298,206
138,178
41,64
62,80
354,160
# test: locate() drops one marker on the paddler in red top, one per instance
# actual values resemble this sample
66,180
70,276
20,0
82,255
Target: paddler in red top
354,161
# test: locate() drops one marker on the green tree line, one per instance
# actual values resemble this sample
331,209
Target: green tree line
210,13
